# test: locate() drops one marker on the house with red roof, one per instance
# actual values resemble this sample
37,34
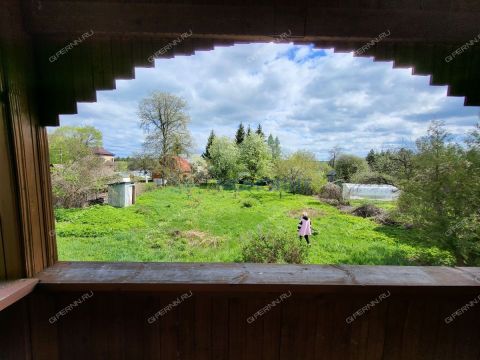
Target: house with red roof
105,155
180,169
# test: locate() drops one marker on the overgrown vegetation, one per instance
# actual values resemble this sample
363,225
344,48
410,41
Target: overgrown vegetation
211,224
76,172
273,246
440,183
443,194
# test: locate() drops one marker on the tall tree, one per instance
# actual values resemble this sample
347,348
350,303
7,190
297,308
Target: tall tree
256,157
240,135
69,143
270,142
249,131
443,194
347,166
301,172
206,155
260,131
274,145
334,154
225,160
165,121
371,159
277,153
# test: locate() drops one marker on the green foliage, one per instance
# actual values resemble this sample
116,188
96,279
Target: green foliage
347,166
164,119
259,131
396,164
302,173
224,159
76,172
249,202
121,166
71,143
274,145
445,192
467,233
200,174
96,221
370,177
371,158
143,232
273,246
206,155
255,157
240,135
141,161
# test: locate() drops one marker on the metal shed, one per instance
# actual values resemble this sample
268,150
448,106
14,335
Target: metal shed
121,194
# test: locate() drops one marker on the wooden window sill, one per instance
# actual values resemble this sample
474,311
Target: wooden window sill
13,291
100,276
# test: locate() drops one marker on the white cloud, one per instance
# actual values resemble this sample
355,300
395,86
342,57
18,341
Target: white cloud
311,99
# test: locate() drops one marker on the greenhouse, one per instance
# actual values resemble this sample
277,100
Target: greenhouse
369,191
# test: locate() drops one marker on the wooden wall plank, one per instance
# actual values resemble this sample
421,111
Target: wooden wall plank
15,332
203,327
26,214
45,341
220,334
213,326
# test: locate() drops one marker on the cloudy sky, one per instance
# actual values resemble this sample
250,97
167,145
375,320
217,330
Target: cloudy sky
311,99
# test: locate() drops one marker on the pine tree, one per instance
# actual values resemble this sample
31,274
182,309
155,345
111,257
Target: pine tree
260,131
206,154
271,141
240,136
371,158
249,131
274,145
277,149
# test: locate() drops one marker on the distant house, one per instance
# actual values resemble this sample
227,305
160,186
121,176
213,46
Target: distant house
181,167
105,155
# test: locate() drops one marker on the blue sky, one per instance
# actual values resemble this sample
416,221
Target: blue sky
310,98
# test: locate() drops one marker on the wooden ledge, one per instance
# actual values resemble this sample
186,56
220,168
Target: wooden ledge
76,276
13,291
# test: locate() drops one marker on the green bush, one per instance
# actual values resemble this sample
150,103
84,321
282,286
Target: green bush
331,191
422,256
347,166
248,203
467,232
443,194
275,246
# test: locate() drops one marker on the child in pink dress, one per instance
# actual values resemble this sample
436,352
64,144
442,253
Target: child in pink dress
305,227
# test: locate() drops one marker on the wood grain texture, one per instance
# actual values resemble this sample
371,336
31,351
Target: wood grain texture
121,29
214,326
15,332
105,276
28,244
13,291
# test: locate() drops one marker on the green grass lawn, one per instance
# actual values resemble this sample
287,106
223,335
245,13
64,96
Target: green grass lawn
209,225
